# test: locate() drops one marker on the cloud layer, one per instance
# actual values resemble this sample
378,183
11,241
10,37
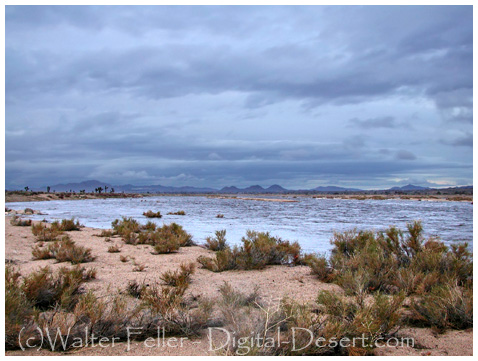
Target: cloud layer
213,96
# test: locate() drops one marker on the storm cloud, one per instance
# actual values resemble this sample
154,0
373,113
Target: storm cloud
215,96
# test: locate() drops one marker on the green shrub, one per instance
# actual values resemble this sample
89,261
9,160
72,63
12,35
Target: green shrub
125,225
258,250
218,243
17,221
179,278
67,225
63,251
151,214
444,307
178,213
43,233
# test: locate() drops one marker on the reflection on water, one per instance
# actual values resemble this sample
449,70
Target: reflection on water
309,221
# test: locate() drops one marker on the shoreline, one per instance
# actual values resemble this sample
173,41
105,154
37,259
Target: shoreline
287,198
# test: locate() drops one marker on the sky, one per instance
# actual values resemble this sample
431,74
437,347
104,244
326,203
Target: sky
301,96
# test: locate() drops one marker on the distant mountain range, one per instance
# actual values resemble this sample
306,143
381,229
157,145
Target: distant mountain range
409,187
91,185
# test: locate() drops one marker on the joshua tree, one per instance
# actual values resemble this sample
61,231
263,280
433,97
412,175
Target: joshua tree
112,190
100,189
106,188
48,189
26,189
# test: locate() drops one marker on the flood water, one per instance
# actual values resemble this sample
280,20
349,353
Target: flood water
309,221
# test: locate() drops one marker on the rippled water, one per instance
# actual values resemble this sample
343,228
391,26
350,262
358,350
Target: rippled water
309,221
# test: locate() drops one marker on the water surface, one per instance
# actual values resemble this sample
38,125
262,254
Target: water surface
310,221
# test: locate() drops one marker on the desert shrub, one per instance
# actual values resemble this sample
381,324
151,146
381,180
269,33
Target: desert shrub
151,214
178,213
124,259
63,251
320,267
67,225
149,226
125,225
183,237
179,278
138,267
130,237
18,309
236,299
220,215
218,243
444,307
168,243
28,211
391,261
17,221
222,261
45,289
43,233
258,250
105,233
135,289
113,249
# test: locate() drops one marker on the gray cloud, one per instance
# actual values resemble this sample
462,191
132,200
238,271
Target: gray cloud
214,95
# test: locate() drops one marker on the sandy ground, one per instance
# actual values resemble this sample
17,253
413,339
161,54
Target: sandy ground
273,282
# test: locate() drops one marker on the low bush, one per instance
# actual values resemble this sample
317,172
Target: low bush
43,233
135,289
258,250
443,308
151,214
178,213
106,233
113,249
218,243
64,250
179,278
67,225
17,221
220,215
125,226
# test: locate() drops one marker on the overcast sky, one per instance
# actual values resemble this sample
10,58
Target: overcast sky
213,96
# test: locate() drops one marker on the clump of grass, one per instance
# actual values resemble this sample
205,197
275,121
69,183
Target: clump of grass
105,233
443,308
67,225
219,215
258,250
151,214
166,239
125,225
124,259
45,289
17,221
320,267
135,289
218,243
43,233
114,249
178,213
223,261
138,267
28,211
149,226
179,278
64,250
